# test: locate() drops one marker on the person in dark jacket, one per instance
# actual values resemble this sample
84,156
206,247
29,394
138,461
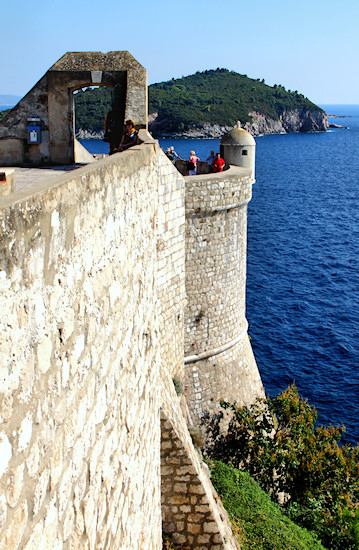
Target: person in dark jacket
130,137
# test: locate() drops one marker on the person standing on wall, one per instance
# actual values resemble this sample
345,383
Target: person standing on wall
192,163
211,158
218,163
172,155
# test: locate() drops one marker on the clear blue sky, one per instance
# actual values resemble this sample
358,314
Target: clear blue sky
311,46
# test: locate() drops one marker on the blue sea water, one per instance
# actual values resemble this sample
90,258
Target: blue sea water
303,264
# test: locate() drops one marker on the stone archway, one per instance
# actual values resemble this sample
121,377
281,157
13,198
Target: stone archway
50,103
61,85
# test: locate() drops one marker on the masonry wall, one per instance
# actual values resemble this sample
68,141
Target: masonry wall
218,356
81,340
95,451
192,513
13,129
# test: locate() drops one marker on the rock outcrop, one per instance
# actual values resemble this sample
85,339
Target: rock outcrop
299,120
87,134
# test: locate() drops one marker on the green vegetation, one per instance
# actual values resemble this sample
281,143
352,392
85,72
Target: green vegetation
214,97
178,384
221,97
278,442
91,108
258,523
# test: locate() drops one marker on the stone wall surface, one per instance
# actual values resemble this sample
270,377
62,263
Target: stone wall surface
219,358
79,362
14,149
191,510
91,314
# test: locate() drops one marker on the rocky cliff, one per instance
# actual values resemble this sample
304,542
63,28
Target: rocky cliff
298,120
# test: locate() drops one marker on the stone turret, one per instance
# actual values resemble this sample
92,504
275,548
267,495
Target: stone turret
218,355
239,148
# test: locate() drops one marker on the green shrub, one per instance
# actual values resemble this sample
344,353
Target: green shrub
4,113
178,386
278,442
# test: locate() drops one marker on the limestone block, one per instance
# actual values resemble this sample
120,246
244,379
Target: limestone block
64,490
6,407
15,485
36,540
194,528
3,511
78,455
79,346
101,405
51,526
32,461
56,462
44,354
102,509
5,453
69,522
40,491
13,534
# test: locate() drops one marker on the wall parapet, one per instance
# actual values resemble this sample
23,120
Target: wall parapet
221,191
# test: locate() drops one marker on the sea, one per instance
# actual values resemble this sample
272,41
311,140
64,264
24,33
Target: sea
303,263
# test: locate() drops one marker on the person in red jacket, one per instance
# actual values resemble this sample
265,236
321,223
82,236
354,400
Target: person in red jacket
218,163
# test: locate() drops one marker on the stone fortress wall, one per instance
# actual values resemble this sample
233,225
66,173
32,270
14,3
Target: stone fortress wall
92,300
117,280
219,360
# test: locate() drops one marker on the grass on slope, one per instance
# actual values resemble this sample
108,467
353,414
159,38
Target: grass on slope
257,521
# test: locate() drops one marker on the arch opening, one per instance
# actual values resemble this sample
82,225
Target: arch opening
99,110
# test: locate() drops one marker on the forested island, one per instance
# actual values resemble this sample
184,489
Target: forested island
207,104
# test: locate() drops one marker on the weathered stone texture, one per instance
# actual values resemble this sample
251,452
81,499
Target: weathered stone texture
92,280
81,327
191,510
51,101
215,322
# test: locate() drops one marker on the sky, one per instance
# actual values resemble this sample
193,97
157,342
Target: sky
310,46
